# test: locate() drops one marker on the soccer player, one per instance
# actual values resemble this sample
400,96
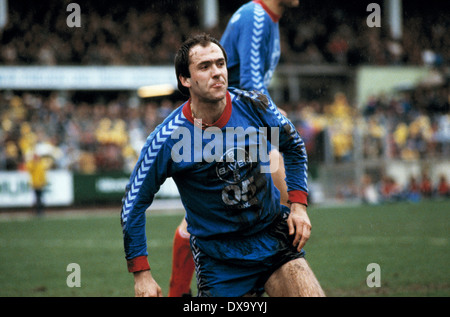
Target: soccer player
252,42
244,241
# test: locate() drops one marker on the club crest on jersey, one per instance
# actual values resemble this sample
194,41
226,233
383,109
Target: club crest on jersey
234,165
235,169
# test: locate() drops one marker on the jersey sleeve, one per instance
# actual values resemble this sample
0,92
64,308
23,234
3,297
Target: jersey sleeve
253,49
291,145
287,140
149,174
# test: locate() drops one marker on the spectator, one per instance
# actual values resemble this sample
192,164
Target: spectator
443,187
12,156
389,189
426,186
369,193
412,191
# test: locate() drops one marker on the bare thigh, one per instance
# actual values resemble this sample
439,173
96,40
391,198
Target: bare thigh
294,279
183,226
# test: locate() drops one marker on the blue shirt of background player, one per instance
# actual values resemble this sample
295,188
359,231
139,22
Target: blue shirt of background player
252,43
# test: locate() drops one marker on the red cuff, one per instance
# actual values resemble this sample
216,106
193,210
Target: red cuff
298,196
137,264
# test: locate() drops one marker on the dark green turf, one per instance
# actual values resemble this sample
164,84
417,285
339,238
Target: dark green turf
410,243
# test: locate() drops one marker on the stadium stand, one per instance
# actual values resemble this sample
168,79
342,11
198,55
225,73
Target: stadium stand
136,33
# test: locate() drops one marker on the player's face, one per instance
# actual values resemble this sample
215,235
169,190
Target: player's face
209,75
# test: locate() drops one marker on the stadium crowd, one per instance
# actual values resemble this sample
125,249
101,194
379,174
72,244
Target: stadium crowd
138,33
83,137
107,134
409,125
416,124
387,189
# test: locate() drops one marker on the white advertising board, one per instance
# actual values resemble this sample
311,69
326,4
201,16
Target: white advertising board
15,189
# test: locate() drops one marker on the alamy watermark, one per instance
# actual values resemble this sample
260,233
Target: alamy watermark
374,18
74,18
374,278
74,278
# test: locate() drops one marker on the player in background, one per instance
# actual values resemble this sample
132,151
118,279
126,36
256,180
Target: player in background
243,239
252,42
37,167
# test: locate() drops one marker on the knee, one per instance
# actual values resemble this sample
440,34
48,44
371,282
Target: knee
182,228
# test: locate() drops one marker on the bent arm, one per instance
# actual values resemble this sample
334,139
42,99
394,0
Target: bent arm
148,175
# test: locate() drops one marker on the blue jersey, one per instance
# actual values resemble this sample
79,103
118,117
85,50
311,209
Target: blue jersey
252,42
221,172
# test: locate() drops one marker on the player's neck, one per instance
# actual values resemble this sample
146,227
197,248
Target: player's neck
208,112
274,6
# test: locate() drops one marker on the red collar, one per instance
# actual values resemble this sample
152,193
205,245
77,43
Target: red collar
223,120
275,17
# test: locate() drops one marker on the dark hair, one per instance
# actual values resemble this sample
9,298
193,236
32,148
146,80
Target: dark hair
182,58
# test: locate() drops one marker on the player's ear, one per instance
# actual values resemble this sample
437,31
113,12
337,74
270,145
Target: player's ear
185,81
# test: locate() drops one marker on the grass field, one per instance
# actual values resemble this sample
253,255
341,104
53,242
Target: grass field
410,242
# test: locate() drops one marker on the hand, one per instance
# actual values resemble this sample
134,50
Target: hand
299,224
145,285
